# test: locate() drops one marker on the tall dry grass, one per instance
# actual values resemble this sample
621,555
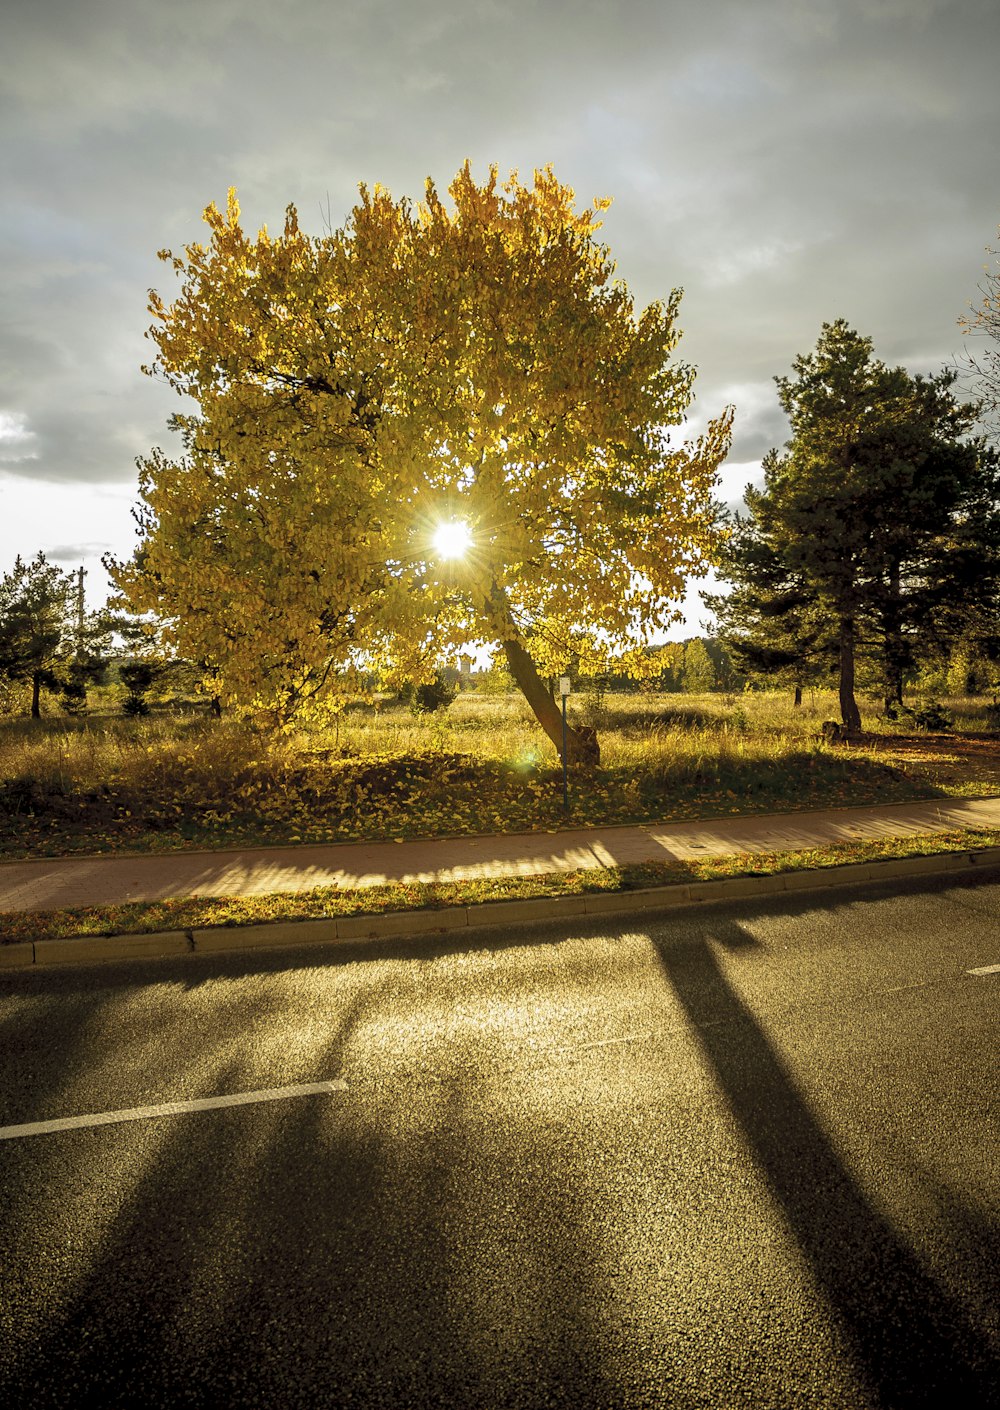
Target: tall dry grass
663,735
481,766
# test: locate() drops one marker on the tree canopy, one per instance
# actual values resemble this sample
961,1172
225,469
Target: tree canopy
354,392
770,620
879,514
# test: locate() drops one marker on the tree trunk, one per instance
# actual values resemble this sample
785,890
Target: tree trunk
797,701
581,741
893,700
849,712
892,647
36,696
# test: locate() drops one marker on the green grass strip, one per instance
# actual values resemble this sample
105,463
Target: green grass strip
138,917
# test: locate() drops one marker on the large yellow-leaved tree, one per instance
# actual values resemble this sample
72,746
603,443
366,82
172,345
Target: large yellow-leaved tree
473,364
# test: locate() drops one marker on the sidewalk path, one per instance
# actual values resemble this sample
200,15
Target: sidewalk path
49,883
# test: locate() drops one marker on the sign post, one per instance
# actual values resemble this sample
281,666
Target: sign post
564,689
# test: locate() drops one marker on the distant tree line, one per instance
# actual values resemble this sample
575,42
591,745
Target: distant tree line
694,666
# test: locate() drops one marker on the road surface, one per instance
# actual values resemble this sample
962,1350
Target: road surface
740,1156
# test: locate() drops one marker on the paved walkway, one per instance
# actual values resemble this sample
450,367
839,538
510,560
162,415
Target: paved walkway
90,881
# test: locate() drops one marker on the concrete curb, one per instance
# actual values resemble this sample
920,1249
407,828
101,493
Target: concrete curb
401,924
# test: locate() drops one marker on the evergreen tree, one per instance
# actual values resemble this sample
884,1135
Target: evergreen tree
932,558
36,626
876,514
769,623
47,640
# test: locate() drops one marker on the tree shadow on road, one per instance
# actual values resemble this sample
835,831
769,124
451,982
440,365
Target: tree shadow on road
912,1343
400,1245
343,1251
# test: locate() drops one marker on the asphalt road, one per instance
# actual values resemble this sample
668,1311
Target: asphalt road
741,1156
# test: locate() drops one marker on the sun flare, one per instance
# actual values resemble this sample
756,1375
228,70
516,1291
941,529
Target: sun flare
452,540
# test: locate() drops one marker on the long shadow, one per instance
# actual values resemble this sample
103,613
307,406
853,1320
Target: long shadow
33,1054
318,1253
911,1342
350,1252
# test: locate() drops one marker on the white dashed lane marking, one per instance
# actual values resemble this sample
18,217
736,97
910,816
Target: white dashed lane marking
147,1113
986,969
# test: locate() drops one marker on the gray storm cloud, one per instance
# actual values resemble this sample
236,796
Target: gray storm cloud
785,163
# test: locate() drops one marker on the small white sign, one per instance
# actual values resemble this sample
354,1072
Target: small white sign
564,685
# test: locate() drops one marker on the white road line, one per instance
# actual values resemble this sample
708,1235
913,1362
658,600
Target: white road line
146,1113
986,969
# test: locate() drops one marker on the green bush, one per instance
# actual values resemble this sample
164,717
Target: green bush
931,717
432,695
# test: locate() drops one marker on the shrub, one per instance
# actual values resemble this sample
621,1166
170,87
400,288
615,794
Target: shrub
432,695
931,717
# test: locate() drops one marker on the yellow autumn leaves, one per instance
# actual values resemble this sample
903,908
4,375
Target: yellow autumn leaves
474,362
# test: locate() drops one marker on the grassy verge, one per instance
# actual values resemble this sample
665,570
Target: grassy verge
171,783
216,793
139,917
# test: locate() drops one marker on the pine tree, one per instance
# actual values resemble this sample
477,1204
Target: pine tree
876,515
36,626
769,622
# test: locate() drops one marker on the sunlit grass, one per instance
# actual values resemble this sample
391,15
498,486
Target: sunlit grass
379,771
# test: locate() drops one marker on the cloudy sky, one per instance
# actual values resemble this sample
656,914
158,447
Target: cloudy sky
785,162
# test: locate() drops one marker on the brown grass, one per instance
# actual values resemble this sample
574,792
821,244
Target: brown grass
482,766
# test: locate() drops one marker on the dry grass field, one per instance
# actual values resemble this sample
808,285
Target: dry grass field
101,784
